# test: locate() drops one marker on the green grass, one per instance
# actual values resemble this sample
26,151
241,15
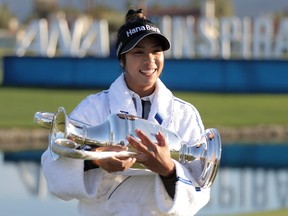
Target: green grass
282,212
240,109
18,105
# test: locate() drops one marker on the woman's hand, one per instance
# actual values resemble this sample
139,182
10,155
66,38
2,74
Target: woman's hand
154,156
113,164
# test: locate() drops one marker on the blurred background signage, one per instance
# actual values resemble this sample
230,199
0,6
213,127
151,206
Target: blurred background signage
204,38
197,29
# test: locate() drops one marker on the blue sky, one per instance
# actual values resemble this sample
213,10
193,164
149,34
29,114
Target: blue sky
252,8
242,8
256,8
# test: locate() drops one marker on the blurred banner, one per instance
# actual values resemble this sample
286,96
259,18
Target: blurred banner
191,37
203,75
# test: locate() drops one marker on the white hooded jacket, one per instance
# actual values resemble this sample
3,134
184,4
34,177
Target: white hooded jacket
135,192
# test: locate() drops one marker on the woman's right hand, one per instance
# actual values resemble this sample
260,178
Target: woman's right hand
113,164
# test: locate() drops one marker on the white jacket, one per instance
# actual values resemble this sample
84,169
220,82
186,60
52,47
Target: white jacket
131,192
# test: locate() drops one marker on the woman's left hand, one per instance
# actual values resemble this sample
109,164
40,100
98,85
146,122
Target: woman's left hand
154,156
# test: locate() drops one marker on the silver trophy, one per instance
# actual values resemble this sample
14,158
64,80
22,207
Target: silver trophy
70,138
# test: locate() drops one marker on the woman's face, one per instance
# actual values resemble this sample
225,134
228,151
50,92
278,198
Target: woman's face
143,65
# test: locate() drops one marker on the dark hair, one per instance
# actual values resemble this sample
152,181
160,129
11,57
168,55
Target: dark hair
134,14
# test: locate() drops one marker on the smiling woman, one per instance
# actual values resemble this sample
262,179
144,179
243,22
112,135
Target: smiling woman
147,58
140,46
